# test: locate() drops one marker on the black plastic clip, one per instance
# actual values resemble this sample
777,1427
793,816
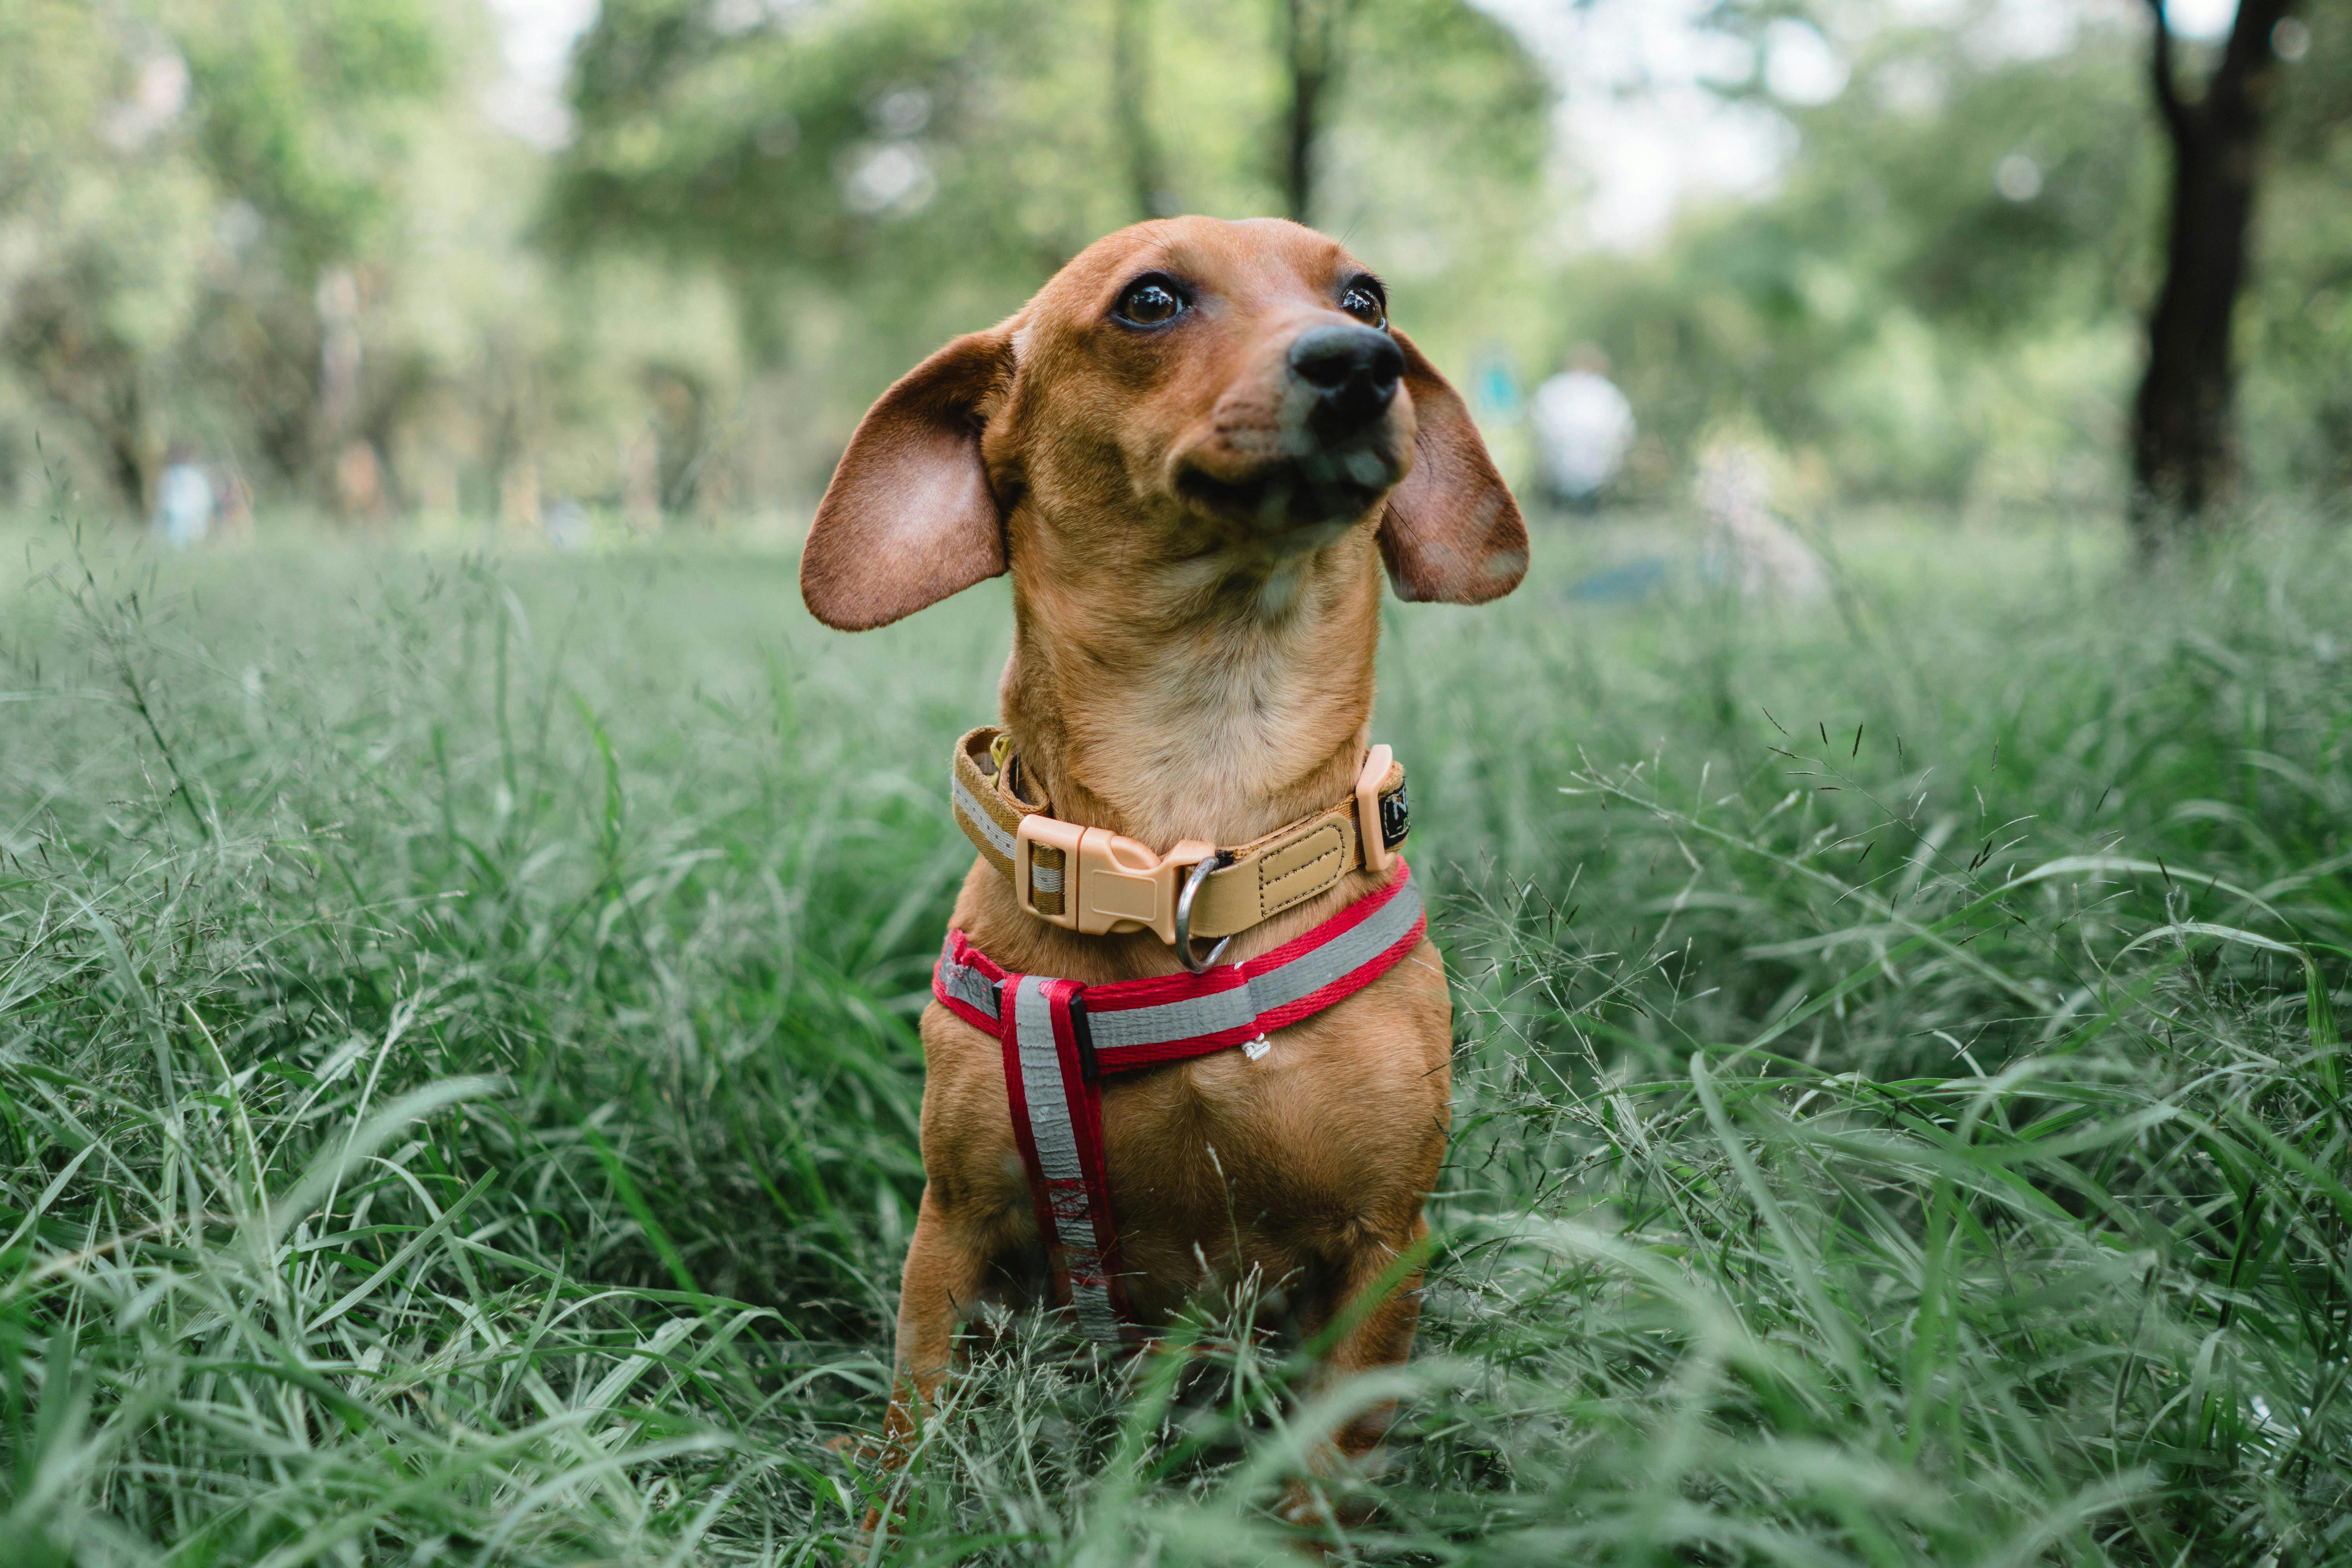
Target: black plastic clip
1089,1066
1396,818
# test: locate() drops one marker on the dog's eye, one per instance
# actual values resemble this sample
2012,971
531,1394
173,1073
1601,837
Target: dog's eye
1148,301
1363,302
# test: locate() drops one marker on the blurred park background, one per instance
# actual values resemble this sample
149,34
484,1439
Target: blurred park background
422,261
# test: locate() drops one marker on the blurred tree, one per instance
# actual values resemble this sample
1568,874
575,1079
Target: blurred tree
1936,299
764,147
2296,325
2182,451
1130,109
1314,38
922,164
286,230
101,227
194,191
1954,289
304,110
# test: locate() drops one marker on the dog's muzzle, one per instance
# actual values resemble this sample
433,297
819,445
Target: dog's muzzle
1328,450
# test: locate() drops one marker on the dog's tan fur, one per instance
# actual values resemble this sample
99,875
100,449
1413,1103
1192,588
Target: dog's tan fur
1178,671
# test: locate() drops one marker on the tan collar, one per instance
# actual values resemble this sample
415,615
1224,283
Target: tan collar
1122,884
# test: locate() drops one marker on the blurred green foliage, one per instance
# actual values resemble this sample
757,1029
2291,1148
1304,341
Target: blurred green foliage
2298,405
179,181
290,233
1946,296
876,177
301,111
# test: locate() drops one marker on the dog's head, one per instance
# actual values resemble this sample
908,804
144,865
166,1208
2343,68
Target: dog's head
1184,391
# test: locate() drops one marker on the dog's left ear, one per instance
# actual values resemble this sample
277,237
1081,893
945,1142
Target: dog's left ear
1452,533
910,518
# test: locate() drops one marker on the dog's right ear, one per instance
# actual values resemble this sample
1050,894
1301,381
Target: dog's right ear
1452,534
908,518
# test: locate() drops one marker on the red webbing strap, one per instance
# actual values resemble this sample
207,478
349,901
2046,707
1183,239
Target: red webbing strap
1057,1121
1139,1023
1059,1036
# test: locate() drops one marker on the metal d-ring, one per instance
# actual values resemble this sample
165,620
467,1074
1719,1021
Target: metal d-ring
1207,864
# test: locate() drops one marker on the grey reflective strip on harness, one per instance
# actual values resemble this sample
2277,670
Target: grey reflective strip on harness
1174,1020
970,987
1318,967
1055,1136
1049,878
1116,1029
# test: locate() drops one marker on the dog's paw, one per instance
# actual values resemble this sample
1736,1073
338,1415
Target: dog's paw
860,1447
1321,1518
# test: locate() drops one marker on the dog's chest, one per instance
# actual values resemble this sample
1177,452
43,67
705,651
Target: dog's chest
1330,1133
1287,1161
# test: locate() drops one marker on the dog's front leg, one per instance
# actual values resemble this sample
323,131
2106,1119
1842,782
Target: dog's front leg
1381,1335
944,1276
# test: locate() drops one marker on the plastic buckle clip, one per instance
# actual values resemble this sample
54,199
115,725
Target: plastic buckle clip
1372,828
1109,883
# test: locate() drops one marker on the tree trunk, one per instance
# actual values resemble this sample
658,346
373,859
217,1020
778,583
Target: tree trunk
1130,80
85,370
2183,451
1312,42
131,450
682,434
352,478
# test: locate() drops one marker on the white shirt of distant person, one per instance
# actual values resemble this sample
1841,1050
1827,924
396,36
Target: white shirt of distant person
1583,426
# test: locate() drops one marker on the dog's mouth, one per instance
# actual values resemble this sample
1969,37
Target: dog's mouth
1292,492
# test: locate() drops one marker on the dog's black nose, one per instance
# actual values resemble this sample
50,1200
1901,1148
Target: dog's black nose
1354,372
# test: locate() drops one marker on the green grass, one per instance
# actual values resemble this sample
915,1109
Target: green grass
458,1086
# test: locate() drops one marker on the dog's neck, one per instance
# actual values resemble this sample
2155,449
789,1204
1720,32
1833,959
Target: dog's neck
1205,699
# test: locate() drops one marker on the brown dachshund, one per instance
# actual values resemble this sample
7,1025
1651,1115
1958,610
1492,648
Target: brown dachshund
1194,449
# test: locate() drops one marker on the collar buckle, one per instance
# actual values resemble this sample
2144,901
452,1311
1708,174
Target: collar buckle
1373,827
1109,883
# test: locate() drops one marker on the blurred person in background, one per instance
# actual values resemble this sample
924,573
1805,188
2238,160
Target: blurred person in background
184,500
1752,550
566,526
360,492
1583,429
232,506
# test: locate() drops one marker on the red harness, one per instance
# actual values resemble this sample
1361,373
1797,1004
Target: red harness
1060,1038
